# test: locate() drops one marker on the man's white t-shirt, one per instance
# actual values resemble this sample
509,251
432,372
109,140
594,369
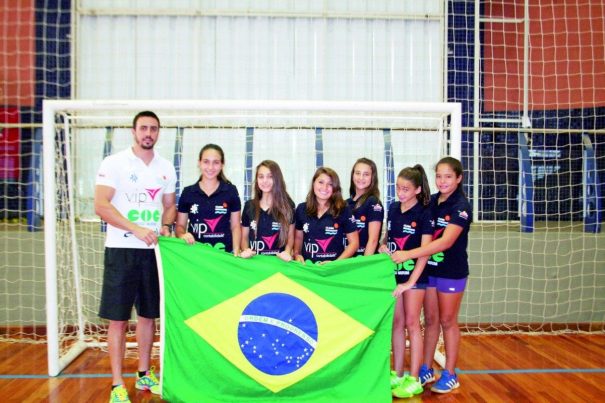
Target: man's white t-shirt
139,189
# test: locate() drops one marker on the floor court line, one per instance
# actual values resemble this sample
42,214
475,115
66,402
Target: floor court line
458,371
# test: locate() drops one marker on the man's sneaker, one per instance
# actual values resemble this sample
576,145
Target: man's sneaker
148,382
426,375
446,383
409,387
119,394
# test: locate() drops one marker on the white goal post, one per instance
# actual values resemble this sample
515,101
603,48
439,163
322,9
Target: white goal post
300,135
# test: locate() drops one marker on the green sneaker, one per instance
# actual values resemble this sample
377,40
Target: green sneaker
148,382
409,387
395,380
119,394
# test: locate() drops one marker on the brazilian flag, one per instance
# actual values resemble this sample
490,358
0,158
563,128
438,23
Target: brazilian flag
260,329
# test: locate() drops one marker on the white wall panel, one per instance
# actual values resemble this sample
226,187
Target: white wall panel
295,154
283,6
360,143
249,57
232,141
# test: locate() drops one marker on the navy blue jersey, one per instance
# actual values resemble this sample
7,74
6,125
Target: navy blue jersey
264,234
370,210
451,263
405,231
323,237
210,216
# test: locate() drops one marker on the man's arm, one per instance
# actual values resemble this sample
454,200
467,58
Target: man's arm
169,214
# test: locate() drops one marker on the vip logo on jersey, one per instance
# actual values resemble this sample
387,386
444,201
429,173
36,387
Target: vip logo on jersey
153,192
209,225
270,240
314,248
142,197
278,332
265,243
323,243
212,223
222,209
400,242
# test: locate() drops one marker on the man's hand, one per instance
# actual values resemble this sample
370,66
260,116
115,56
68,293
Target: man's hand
146,235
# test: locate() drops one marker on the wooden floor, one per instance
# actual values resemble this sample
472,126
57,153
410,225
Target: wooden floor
506,368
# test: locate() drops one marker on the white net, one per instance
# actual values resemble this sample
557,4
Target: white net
529,76
530,81
299,136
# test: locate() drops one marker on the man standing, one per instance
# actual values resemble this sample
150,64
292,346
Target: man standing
135,195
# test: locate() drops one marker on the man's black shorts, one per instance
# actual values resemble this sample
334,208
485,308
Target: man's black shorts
130,278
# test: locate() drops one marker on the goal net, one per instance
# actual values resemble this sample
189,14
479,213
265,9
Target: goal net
299,136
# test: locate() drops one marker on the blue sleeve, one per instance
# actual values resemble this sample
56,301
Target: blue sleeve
347,220
427,223
246,214
461,214
300,216
293,207
184,203
235,204
375,210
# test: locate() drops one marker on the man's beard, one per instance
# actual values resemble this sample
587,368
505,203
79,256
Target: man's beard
145,146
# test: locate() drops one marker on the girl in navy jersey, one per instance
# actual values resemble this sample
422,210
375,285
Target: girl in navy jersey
268,219
409,225
323,221
209,210
448,263
365,205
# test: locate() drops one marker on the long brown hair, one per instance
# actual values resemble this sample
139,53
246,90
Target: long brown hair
281,203
218,149
417,176
372,190
337,204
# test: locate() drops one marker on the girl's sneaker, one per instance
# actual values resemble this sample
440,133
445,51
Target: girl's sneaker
409,387
119,394
426,375
446,383
395,380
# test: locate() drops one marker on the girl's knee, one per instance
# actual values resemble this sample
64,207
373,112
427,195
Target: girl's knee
448,322
431,320
412,324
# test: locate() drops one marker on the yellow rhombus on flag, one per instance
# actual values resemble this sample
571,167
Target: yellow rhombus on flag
260,329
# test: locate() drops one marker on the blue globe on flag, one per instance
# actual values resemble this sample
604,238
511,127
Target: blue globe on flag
277,333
